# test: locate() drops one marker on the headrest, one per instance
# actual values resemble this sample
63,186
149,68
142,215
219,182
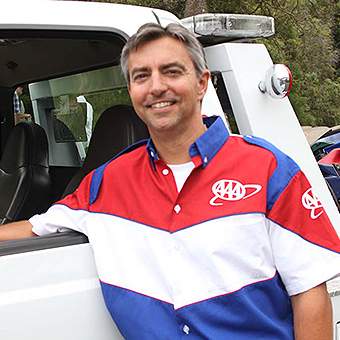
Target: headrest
26,145
117,128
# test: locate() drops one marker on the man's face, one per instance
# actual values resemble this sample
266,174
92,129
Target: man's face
164,88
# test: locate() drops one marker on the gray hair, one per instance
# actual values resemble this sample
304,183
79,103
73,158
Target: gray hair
152,31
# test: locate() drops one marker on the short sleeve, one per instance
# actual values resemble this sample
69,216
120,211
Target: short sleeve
67,214
304,243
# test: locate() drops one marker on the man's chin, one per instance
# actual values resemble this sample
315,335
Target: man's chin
162,126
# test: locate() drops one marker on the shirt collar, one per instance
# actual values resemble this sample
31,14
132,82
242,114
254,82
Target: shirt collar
206,146
150,148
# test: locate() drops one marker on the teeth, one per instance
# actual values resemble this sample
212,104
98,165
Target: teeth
162,104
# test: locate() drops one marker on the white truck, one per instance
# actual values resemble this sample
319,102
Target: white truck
67,53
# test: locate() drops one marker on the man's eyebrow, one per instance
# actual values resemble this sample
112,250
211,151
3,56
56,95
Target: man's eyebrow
163,67
139,69
176,64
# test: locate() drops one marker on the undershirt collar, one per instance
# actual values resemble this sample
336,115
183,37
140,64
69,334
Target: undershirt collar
181,172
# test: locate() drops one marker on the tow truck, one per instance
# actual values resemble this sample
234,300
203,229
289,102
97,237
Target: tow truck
66,56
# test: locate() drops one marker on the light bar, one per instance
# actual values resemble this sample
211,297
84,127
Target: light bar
232,27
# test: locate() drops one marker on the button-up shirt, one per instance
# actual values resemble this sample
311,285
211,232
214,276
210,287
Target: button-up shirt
217,260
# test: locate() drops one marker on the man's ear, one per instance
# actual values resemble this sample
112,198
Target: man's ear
203,84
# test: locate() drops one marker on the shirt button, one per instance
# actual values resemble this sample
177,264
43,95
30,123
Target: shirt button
152,154
177,208
186,329
165,172
205,160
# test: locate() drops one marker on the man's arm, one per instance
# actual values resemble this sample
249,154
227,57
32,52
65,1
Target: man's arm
18,116
16,230
313,314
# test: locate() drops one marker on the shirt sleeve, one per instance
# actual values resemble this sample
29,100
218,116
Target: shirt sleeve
306,248
16,103
67,214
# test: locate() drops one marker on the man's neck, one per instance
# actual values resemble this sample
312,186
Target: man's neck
174,148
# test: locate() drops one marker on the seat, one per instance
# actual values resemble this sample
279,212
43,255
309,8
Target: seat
332,157
117,128
25,183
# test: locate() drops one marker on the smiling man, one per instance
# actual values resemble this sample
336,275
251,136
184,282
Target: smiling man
167,93
188,243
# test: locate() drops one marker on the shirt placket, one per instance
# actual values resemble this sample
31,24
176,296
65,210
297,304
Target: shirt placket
176,264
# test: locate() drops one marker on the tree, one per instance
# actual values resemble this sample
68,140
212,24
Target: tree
307,40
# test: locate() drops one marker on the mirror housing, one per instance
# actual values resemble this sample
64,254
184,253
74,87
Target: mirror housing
277,81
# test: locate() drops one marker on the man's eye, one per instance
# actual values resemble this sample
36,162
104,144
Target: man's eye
139,76
173,71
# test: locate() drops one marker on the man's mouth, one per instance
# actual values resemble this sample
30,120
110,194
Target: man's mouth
161,104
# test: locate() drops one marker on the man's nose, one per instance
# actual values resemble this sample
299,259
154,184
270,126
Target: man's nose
158,84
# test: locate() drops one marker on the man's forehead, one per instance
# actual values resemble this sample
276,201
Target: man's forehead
158,40
144,56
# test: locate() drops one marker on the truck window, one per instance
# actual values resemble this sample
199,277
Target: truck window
69,107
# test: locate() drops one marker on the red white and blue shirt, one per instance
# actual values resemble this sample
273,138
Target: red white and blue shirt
217,260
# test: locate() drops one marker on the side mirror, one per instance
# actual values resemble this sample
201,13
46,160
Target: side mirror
277,81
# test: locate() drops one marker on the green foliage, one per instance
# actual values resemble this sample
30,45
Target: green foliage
25,97
307,40
307,49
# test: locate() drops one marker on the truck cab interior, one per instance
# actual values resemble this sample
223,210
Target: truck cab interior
72,79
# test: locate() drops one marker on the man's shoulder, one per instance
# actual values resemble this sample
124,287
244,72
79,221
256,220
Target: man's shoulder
256,157
133,151
119,166
260,147
127,158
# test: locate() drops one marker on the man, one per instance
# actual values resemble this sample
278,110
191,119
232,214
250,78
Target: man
18,106
188,243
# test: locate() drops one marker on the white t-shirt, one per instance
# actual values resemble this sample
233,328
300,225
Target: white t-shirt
181,172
